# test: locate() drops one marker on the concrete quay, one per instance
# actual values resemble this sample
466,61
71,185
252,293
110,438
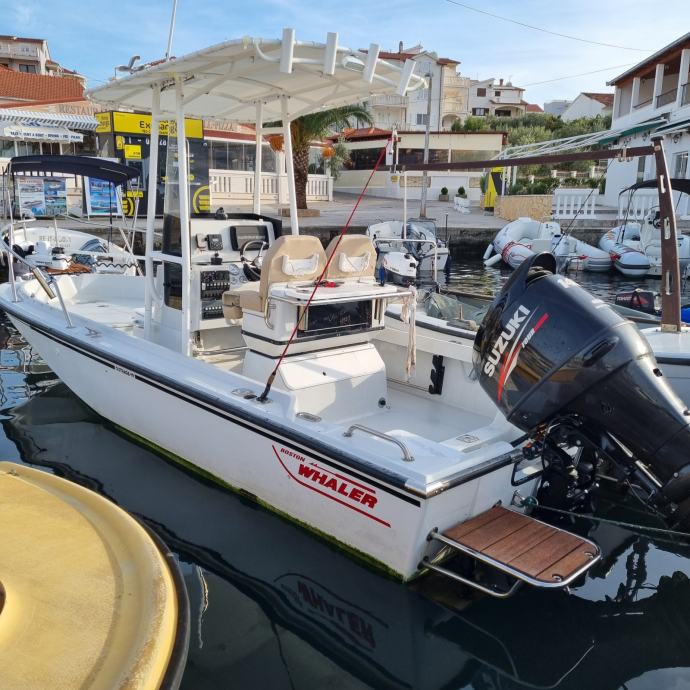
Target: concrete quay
470,232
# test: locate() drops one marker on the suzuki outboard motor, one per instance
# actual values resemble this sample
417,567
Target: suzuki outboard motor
584,384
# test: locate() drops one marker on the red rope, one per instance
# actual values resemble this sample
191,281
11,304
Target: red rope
318,281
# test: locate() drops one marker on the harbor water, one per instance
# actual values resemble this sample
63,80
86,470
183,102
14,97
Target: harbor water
273,606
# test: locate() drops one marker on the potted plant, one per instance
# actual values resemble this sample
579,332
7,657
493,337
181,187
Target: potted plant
461,202
443,196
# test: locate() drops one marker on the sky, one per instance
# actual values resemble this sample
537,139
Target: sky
94,37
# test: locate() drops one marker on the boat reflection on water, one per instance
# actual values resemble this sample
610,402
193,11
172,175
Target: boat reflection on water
275,607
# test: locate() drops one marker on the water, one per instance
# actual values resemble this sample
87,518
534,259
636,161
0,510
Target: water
274,607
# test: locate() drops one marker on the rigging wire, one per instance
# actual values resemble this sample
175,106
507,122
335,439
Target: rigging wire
546,31
581,74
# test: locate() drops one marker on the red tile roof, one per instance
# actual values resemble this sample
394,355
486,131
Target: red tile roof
384,55
37,87
533,108
21,39
606,99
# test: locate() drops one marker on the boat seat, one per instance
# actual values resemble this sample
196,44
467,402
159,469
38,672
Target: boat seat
291,258
355,257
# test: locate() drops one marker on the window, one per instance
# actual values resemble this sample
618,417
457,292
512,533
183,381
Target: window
680,165
481,93
363,159
230,155
479,111
497,93
6,148
29,69
421,118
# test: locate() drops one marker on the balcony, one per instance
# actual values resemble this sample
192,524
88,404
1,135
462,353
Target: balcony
666,98
643,104
20,51
391,101
685,94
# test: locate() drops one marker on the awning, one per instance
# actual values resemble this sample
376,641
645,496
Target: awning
672,127
84,123
10,130
634,129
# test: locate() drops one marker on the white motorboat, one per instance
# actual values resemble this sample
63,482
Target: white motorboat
292,390
418,239
522,238
60,249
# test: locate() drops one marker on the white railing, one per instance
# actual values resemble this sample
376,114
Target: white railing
571,203
238,185
637,206
390,100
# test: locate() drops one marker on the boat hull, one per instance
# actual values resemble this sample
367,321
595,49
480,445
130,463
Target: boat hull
370,513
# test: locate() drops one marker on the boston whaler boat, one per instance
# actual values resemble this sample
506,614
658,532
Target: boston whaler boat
523,238
63,249
291,389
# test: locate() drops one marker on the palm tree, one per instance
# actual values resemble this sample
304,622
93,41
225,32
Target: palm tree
314,127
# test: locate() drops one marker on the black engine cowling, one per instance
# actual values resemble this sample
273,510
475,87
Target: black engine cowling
548,350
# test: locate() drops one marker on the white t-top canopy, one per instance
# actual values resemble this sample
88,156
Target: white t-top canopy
228,79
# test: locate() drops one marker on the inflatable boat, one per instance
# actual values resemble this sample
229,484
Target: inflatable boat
623,245
523,238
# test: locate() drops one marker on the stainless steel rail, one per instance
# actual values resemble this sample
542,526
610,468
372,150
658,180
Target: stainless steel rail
407,456
47,282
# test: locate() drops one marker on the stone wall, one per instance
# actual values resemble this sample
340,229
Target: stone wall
536,206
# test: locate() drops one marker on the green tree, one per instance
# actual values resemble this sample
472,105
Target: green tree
315,127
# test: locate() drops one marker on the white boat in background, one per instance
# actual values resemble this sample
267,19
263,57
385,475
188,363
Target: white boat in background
522,238
64,250
623,245
419,240
636,247
60,249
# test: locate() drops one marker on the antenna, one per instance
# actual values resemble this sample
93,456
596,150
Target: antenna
172,30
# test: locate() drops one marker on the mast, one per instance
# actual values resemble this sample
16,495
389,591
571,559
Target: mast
151,207
670,270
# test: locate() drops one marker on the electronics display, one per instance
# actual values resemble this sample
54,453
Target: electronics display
240,234
336,319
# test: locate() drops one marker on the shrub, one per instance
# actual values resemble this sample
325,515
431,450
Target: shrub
444,191
461,192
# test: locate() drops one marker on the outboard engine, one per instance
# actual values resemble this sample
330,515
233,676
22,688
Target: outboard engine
585,386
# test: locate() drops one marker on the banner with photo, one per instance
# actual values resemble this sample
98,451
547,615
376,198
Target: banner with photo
102,198
41,196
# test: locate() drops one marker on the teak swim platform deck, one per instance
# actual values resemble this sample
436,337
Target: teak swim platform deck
520,546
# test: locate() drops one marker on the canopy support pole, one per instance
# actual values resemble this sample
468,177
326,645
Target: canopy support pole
182,180
670,270
289,166
151,208
257,156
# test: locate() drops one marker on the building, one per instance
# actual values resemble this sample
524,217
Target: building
556,107
533,108
365,147
31,56
498,100
588,104
449,94
653,97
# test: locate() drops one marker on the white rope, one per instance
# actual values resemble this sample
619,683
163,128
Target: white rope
409,315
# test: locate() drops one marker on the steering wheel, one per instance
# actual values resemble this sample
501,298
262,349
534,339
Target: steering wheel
252,269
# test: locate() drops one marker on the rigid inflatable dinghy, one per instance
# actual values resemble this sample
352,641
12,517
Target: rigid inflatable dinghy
622,244
523,238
